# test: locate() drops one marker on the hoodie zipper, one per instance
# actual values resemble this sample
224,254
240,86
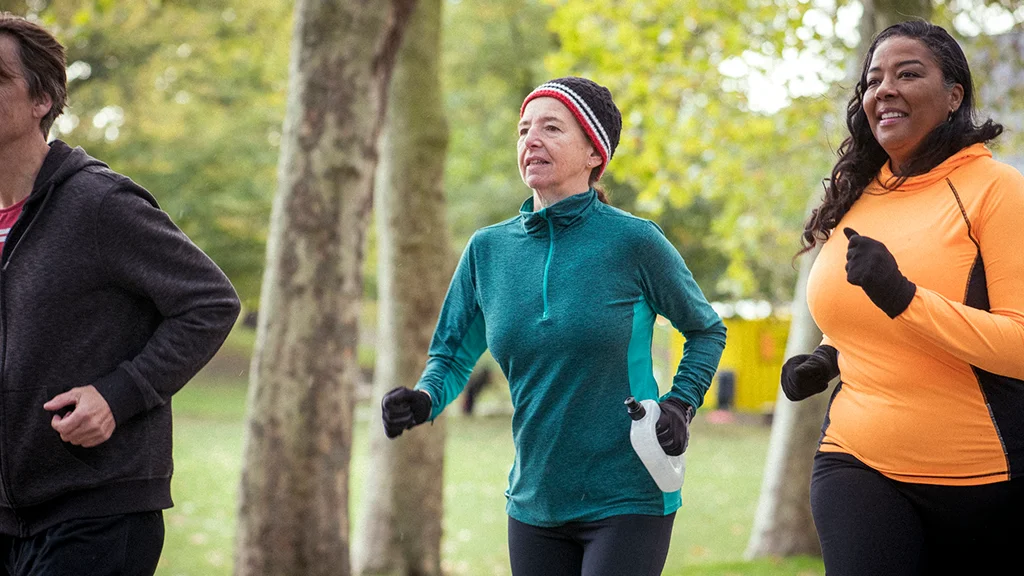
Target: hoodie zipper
3,333
46,198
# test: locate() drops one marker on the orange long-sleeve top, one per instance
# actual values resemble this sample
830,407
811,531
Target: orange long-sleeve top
936,395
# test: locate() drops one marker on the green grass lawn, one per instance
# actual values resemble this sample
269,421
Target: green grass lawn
723,478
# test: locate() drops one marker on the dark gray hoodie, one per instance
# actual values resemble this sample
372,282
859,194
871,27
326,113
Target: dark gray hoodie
97,286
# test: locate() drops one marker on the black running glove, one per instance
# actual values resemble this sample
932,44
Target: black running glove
673,426
805,375
870,265
402,409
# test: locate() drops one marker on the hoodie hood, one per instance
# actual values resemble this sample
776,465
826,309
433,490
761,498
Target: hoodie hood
61,163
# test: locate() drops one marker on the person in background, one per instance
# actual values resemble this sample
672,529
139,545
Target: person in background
919,292
478,380
565,295
106,310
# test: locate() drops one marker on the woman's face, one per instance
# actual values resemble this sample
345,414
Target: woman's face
905,96
555,156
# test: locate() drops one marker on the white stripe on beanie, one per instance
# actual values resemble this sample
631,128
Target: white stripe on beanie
587,114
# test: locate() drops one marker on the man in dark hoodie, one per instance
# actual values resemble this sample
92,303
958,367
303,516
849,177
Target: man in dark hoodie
106,310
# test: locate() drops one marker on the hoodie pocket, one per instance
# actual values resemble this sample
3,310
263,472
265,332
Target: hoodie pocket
37,465
108,460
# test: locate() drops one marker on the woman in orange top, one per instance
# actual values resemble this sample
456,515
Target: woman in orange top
921,301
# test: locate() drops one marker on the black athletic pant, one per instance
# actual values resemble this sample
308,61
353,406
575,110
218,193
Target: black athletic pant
631,544
872,525
125,545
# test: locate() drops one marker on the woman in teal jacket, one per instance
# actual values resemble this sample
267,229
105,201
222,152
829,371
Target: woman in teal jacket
565,295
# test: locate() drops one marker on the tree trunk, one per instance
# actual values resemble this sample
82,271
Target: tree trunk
782,524
293,500
880,14
400,524
18,7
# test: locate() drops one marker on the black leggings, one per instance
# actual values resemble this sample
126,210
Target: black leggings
869,524
627,544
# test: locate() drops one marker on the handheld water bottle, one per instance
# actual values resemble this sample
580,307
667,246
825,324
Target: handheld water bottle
666,470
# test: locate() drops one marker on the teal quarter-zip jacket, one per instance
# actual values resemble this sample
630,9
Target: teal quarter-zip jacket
565,299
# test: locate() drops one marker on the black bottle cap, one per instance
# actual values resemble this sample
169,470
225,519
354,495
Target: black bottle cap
635,409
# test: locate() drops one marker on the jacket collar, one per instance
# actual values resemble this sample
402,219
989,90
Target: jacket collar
562,214
937,174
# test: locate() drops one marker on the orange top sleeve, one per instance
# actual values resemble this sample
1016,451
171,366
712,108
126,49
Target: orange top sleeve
991,340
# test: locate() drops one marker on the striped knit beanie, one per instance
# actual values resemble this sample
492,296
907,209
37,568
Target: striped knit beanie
593,108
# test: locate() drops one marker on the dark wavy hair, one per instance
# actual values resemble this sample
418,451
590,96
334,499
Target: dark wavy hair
861,156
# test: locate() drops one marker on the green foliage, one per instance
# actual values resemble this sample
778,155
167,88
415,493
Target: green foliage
692,138
493,54
187,98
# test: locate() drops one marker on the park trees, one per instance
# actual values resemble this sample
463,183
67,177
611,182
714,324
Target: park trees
179,96
293,501
493,56
400,524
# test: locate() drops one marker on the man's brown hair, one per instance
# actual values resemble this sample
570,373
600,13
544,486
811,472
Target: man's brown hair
43,63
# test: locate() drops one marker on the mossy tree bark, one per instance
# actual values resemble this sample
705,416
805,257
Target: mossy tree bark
293,500
400,524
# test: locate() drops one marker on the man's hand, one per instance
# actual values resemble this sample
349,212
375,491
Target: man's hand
89,423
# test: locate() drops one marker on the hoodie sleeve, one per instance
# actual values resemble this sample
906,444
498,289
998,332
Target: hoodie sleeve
672,291
151,257
459,339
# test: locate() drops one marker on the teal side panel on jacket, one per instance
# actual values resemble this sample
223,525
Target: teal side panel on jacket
672,293
642,384
673,501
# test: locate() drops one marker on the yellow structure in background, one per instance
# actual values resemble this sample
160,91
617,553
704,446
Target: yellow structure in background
754,352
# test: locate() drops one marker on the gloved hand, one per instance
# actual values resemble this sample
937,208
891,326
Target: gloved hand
805,375
673,426
870,265
402,409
